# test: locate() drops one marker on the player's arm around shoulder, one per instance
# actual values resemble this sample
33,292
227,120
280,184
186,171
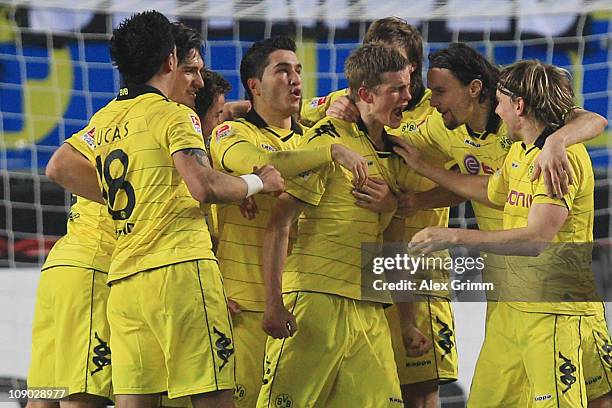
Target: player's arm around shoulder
315,109
227,142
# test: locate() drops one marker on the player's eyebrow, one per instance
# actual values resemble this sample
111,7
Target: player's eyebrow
287,65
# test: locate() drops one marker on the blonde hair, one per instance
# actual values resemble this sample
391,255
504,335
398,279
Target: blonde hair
546,90
367,64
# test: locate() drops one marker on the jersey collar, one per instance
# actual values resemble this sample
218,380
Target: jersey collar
253,117
539,143
388,144
132,91
493,123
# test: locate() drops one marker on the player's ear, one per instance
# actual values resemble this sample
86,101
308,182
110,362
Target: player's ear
475,88
253,84
365,94
519,106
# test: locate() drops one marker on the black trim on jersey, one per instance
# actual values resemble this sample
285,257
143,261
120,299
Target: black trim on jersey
253,117
493,124
539,143
383,154
417,98
131,92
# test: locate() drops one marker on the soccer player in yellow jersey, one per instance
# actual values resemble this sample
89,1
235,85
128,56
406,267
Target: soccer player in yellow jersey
533,100
209,102
167,310
320,326
77,268
467,130
270,72
420,376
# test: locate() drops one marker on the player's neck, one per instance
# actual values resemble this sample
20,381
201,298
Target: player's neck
272,117
480,117
374,126
162,83
530,130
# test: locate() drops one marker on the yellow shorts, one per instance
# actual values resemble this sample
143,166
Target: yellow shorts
341,356
70,332
538,355
434,317
250,340
597,355
171,331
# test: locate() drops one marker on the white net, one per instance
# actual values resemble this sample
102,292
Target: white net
55,72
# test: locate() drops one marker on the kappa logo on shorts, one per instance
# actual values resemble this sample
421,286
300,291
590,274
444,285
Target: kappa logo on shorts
223,344
283,401
606,349
102,355
593,380
542,398
567,369
446,335
395,400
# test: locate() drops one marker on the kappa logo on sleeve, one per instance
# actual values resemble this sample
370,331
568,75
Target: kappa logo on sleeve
224,131
88,137
195,121
316,102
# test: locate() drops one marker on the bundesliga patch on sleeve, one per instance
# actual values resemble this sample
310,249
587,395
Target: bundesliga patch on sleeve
88,137
316,102
224,130
195,121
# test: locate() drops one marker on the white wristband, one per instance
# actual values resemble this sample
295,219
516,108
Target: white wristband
254,184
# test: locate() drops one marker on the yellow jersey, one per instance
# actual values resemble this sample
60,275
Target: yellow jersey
314,109
327,254
90,239
240,240
156,221
563,270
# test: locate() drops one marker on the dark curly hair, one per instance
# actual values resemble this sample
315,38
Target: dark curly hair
214,84
255,60
140,45
467,65
186,39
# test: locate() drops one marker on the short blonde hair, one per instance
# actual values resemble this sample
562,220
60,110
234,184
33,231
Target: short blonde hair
546,90
367,64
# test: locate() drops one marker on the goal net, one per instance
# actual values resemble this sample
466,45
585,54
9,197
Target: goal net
55,72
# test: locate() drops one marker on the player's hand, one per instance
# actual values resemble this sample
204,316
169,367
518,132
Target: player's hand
352,161
248,208
406,151
555,166
235,110
431,239
271,178
234,308
375,196
343,108
415,342
407,204
278,322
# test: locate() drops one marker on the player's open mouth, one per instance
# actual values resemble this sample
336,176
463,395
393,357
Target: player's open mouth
297,92
397,112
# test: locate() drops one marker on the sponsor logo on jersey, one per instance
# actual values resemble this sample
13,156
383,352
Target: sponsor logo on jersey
316,102
283,401
224,131
519,199
195,121
471,143
567,369
88,137
471,163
